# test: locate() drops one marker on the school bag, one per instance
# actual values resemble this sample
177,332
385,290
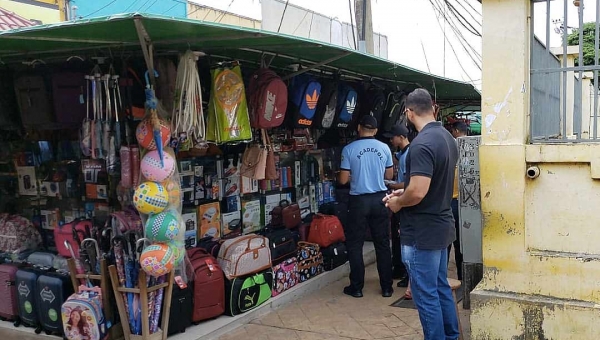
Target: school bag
82,312
18,234
375,104
34,101
208,283
267,99
346,106
326,106
394,110
304,96
68,94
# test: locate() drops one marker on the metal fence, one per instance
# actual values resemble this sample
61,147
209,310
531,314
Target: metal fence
564,99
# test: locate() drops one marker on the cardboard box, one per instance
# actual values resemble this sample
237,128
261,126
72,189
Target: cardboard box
251,216
28,184
231,186
209,213
210,229
230,222
248,185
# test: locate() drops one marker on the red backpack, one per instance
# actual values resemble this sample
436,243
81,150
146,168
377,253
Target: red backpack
268,99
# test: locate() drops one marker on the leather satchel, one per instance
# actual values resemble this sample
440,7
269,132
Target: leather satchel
270,168
254,162
286,215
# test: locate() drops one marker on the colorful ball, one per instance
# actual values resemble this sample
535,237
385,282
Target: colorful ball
145,134
150,198
153,170
162,227
174,191
157,259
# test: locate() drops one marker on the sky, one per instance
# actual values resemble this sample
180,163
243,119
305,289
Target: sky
415,30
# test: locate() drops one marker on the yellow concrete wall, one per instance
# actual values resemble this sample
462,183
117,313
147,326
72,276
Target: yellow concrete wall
43,14
541,252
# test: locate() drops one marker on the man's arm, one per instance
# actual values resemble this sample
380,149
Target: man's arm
396,186
389,173
344,177
389,165
413,195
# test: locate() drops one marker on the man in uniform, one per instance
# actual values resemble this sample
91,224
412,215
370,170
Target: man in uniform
398,137
426,221
366,162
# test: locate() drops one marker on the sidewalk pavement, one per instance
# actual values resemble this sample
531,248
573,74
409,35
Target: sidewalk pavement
329,314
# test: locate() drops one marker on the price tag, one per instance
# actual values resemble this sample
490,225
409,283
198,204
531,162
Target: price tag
180,282
335,251
211,265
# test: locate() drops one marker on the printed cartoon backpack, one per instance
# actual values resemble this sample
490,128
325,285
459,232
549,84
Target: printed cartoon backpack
346,106
304,96
267,99
83,317
18,234
326,107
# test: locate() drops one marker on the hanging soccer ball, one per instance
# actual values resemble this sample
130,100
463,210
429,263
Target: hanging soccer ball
157,259
145,134
150,198
162,227
153,170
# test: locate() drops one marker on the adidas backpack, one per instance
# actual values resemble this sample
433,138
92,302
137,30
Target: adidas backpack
346,106
304,95
326,107
267,99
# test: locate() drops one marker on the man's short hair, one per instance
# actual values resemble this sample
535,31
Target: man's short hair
460,127
420,102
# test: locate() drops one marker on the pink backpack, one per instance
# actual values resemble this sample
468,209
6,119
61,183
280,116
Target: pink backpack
125,220
268,99
18,234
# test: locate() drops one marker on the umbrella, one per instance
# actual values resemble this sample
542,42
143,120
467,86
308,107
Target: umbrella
86,126
157,306
119,252
98,116
152,104
118,108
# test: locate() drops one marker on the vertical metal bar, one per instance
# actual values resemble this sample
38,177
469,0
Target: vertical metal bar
596,43
564,73
580,84
531,63
547,23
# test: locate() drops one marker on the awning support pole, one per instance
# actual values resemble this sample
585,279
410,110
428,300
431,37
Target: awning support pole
314,66
147,48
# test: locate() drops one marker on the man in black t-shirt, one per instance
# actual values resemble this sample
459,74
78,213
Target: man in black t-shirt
426,220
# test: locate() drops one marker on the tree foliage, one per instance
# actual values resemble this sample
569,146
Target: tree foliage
589,30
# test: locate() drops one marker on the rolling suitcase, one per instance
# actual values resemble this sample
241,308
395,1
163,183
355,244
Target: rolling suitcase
9,308
26,281
209,285
53,289
182,308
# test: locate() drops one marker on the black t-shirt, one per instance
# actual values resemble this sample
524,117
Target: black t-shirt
430,224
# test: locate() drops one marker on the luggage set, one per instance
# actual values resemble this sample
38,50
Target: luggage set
249,270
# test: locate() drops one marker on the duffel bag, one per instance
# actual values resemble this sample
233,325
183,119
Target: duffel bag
282,244
244,255
248,292
326,230
310,261
334,256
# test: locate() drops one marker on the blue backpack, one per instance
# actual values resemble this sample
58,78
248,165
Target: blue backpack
304,95
346,105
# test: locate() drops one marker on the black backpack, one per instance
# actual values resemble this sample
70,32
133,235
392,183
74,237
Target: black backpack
394,110
326,113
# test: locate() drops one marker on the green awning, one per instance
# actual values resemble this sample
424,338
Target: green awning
117,33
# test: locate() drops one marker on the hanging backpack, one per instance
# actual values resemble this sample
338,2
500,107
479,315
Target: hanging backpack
34,101
376,105
304,96
267,99
17,234
326,107
346,106
394,110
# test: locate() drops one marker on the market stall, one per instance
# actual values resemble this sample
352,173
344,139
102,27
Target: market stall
185,158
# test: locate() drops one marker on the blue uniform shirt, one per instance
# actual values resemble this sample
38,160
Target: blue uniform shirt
366,159
401,157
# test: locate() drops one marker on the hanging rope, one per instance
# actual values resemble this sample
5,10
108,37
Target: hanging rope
188,115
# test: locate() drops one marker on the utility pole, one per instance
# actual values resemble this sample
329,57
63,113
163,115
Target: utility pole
364,25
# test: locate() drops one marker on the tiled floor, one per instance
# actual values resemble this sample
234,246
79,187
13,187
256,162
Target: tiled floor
329,314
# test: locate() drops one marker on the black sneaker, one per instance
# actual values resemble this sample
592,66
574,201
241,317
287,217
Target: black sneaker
354,293
403,283
387,292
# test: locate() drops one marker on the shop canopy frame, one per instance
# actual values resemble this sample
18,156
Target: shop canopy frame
118,34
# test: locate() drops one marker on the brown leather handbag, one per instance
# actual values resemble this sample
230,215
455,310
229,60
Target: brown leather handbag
254,162
286,215
270,168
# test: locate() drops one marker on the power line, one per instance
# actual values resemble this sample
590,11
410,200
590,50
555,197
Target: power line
473,8
101,8
352,23
283,15
464,22
300,23
225,11
167,11
147,8
130,6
